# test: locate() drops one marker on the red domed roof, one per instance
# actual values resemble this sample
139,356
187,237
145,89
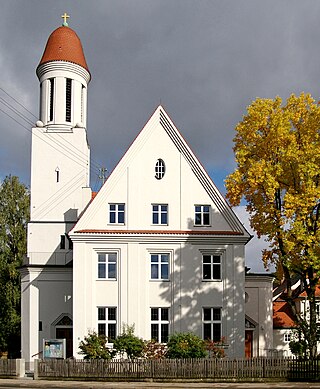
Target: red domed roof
64,45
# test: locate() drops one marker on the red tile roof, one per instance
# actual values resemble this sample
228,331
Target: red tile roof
282,316
64,45
304,294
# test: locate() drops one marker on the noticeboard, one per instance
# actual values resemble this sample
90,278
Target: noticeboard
54,348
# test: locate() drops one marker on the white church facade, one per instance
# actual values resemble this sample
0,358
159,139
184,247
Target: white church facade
157,247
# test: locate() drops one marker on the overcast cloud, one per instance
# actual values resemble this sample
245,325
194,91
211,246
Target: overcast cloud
204,60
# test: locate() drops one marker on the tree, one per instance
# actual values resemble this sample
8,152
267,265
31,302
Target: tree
14,217
94,346
129,344
278,174
186,345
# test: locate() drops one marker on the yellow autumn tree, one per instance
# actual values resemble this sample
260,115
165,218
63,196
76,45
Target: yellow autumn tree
277,151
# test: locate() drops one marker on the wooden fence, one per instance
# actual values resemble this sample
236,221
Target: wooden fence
8,367
167,369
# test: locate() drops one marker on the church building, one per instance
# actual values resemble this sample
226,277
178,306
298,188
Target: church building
158,247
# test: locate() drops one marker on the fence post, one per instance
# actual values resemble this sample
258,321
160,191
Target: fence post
20,368
36,369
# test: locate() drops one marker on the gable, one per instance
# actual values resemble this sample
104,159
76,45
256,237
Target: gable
184,184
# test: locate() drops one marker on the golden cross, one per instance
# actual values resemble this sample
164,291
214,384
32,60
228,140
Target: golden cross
65,16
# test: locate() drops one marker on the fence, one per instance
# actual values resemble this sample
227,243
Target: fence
167,369
12,367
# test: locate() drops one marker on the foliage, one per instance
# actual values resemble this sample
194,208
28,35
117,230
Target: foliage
94,346
154,350
215,349
278,160
185,345
298,347
128,344
14,217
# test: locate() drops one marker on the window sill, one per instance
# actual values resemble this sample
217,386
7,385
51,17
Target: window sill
214,280
106,279
158,280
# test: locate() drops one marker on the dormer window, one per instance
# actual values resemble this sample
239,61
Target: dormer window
160,169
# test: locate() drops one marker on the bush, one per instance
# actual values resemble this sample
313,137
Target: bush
298,347
154,350
186,345
129,344
215,349
94,347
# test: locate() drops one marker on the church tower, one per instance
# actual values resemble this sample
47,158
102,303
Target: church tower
60,172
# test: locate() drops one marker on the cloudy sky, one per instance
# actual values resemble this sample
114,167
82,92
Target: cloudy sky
204,60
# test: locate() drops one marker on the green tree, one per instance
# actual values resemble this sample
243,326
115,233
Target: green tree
186,345
278,174
94,347
129,344
14,217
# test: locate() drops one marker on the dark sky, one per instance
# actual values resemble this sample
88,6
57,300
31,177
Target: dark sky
205,61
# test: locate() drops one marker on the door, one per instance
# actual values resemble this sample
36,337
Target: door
248,343
66,333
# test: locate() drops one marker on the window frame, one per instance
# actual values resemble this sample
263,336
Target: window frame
117,213
287,337
160,169
107,266
203,214
159,213
212,266
159,265
160,323
212,322
106,321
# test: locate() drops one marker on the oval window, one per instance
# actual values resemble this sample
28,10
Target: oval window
160,169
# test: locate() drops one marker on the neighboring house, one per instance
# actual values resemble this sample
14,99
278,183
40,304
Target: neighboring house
284,327
157,247
258,309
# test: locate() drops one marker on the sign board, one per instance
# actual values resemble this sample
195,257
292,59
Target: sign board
54,348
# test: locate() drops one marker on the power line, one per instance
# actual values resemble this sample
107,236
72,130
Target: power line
24,118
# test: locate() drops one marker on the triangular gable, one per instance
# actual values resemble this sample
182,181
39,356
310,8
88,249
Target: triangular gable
159,124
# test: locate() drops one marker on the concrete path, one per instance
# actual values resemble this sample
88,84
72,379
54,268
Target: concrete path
31,384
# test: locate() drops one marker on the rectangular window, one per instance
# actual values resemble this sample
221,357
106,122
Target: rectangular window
211,319
107,266
116,213
211,267
107,322
159,214
68,99
160,324
202,215
287,337
51,98
160,266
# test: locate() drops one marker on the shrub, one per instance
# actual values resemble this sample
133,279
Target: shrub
186,345
129,344
94,347
154,350
215,349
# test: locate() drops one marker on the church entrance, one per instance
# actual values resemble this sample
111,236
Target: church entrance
63,330
66,333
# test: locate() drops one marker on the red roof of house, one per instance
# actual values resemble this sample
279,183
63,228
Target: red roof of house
304,294
64,45
282,316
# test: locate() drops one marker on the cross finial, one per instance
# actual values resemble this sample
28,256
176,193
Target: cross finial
65,16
